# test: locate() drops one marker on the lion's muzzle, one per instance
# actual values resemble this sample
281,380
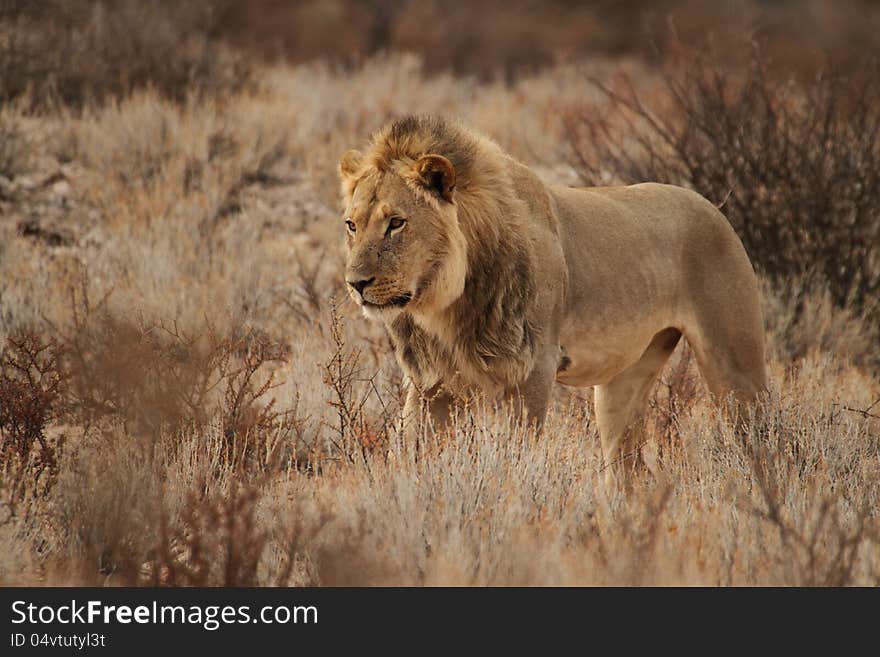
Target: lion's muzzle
360,285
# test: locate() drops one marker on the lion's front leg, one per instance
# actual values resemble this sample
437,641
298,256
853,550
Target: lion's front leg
428,410
532,397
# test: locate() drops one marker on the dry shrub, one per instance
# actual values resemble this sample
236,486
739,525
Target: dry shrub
795,167
219,536
74,51
254,428
366,419
148,375
120,519
32,386
157,379
217,542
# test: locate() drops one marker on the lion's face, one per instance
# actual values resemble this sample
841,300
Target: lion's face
403,246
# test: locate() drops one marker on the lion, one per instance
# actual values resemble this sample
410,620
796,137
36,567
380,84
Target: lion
491,282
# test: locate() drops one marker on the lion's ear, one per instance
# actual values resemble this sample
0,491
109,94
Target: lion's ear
349,163
437,174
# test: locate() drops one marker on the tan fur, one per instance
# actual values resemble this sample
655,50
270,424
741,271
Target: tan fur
501,284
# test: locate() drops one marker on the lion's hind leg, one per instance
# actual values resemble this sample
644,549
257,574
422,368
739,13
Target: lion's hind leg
729,350
620,406
725,326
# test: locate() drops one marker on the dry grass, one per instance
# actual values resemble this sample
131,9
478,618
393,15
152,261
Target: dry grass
225,423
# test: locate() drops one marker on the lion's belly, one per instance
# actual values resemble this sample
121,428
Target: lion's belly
623,248
589,369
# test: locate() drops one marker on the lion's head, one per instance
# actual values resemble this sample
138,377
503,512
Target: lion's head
439,245
403,244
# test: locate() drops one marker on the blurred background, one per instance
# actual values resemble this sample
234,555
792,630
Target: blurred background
523,35
104,46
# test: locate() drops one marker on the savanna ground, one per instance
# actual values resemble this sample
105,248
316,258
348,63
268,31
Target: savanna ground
186,396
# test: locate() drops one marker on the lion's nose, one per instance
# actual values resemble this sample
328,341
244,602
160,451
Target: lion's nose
361,284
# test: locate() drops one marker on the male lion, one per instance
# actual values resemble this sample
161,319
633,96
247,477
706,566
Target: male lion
488,279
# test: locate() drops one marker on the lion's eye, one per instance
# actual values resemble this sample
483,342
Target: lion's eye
351,227
394,223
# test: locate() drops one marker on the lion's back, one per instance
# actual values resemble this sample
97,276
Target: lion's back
643,247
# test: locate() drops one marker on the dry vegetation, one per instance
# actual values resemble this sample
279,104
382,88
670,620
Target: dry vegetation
183,403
